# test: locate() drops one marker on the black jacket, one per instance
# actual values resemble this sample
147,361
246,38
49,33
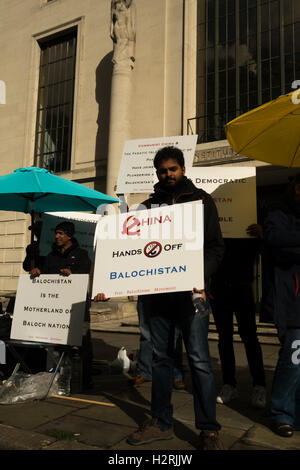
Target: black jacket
282,236
74,258
186,191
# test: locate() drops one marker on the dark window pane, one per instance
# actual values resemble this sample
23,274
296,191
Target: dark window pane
265,17
265,74
222,8
243,79
222,30
288,39
230,6
210,59
231,82
266,95
296,11
211,9
274,11
252,21
275,72
253,46
297,37
265,45
275,93
275,42
289,71
231,27
210,87
288,11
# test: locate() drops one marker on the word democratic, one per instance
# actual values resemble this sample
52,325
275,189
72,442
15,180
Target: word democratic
220,180
147,272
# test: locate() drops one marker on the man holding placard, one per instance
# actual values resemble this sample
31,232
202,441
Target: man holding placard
167,310
68,258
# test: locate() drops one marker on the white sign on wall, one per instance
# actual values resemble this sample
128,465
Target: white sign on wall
85,226
137,174
234,192
150,251
50,309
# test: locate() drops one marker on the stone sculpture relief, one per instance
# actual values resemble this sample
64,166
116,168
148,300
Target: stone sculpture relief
122,31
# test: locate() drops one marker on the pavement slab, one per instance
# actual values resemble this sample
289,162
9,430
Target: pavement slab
30,415
264,436
12,438
93,432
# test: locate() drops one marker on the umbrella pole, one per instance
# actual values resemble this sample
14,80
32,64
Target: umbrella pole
31,241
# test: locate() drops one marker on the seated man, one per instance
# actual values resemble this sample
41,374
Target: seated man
68,258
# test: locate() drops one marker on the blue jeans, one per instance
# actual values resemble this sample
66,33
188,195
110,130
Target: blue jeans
168,311
285,397
146,349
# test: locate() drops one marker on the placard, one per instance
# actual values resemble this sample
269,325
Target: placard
234,192
150,251
50,308
85,227
137,174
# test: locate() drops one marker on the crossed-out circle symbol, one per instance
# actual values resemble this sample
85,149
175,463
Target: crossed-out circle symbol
152,249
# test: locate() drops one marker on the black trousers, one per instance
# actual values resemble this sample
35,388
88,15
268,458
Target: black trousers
237,299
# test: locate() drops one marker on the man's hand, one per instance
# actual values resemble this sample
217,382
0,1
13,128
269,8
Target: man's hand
66,272
35,272
255,230
101,297
202,292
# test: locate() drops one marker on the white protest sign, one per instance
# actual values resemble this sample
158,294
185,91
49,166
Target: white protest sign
137,174
234,192
50,309
85,226
150,251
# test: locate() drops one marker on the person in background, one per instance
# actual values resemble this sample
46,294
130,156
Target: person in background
282,235
232,294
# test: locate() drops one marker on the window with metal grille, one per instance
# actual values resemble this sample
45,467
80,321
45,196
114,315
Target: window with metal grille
248,54
53,143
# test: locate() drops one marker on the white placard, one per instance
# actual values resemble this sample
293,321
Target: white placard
85,226
234,192
150,251
50,309
137,174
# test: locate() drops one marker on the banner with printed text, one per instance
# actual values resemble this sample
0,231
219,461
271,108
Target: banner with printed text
50,309
137,174
150,251
234,192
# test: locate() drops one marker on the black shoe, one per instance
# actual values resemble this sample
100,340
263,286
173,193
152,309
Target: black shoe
284,430
209,440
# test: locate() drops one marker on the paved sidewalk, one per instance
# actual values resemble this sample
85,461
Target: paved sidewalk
120,407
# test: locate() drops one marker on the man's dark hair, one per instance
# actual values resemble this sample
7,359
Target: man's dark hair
166,153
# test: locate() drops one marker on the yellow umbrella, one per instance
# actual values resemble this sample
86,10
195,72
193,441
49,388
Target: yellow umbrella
269,133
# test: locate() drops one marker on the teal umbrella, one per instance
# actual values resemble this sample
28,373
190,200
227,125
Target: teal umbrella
36,190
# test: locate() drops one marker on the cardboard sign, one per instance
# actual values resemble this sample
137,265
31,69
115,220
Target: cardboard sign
150,251
85,227
137,174
234,192
50,309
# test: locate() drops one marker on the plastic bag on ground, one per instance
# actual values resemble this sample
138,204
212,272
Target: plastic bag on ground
22,387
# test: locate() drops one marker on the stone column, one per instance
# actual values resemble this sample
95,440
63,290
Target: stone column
123,36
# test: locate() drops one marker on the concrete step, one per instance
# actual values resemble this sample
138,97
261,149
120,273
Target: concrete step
121,317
